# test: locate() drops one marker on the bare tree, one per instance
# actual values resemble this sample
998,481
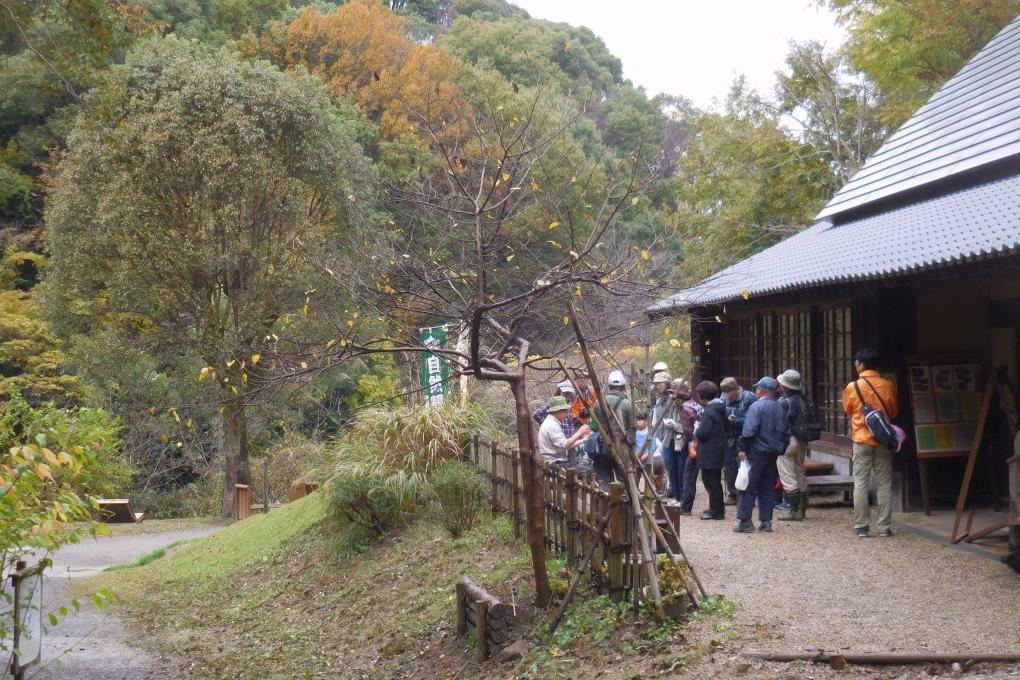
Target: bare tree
507,224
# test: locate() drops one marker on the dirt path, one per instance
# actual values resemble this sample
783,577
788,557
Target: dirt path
93,643
814,584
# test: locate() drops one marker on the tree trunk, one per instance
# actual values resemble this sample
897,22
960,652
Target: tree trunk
235,452
531,479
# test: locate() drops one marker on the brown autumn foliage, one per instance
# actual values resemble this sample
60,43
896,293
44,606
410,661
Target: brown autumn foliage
362,51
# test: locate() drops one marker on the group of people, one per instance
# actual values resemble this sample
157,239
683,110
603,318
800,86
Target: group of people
715,430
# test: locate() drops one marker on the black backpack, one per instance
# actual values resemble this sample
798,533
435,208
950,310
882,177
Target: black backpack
806,427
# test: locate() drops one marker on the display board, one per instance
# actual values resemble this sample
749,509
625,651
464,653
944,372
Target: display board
945,396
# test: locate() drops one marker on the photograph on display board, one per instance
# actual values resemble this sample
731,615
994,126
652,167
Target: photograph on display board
943,378
920,379
965,377
924,409
970,406
949,408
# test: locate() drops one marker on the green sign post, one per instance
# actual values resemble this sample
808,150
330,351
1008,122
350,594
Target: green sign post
435,370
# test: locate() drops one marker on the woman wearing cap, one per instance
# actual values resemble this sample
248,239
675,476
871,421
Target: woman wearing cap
553,444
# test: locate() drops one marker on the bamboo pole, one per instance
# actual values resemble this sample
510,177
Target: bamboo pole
579,573
883,658
614,447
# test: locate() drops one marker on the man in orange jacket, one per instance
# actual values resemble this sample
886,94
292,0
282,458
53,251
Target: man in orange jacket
869,455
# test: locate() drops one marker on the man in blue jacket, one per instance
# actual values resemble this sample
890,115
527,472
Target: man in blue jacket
763,439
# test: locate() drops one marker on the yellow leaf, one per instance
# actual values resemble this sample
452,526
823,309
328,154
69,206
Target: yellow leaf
177,416
230,364
674,342
305,309
233,389
510,257
645,255
506,176
330,344
667,330
244,377
304,364
573,254
189,423
566,320
43,471
634,201
166,439
746,294
255,358
554,224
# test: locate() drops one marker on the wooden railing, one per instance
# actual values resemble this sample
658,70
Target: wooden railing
574,506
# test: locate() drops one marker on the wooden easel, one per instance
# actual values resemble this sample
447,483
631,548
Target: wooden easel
998,385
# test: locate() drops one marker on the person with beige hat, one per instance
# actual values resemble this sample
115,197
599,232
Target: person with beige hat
673,454
791,464
552,443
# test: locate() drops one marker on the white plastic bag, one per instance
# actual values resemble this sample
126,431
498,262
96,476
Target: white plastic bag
743,473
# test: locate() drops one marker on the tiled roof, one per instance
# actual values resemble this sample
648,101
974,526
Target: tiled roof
973,120
973,223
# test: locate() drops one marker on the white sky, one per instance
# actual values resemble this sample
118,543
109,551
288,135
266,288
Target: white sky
695,48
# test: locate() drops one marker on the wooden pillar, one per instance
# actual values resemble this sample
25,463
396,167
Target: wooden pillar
476,445
617,522
242,501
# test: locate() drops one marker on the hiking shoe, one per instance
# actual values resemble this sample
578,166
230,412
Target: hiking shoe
744,527
766,527
731,499
885,533
783,504
712,515
862,532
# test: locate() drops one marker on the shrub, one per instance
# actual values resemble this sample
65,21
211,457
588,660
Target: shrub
372,503
414,439
293,459
460,492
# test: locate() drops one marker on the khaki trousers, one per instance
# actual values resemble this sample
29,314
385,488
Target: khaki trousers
791,466
870,459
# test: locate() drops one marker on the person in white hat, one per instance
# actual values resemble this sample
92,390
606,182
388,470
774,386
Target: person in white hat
791,464
566,390
553,444
618,402
660,367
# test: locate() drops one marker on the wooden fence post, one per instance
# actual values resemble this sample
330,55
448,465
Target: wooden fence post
494,476
617,519
571,501
481,629
242,501
476,441
461,609
515,490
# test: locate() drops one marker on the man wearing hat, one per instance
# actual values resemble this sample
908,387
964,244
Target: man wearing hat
763,439
791,464
737,400
566,390
618,402
553,444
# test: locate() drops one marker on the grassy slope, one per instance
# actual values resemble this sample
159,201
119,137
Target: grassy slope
268,597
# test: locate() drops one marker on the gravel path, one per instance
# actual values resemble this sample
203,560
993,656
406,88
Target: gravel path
814,584
93,643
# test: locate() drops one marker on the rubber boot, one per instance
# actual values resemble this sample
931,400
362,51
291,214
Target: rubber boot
794,513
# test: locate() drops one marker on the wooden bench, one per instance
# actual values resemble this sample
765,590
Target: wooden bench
118,511
827,483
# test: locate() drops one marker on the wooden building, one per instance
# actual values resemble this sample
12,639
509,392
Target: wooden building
918,257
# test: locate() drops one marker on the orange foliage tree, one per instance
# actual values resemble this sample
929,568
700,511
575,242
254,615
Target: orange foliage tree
363,52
